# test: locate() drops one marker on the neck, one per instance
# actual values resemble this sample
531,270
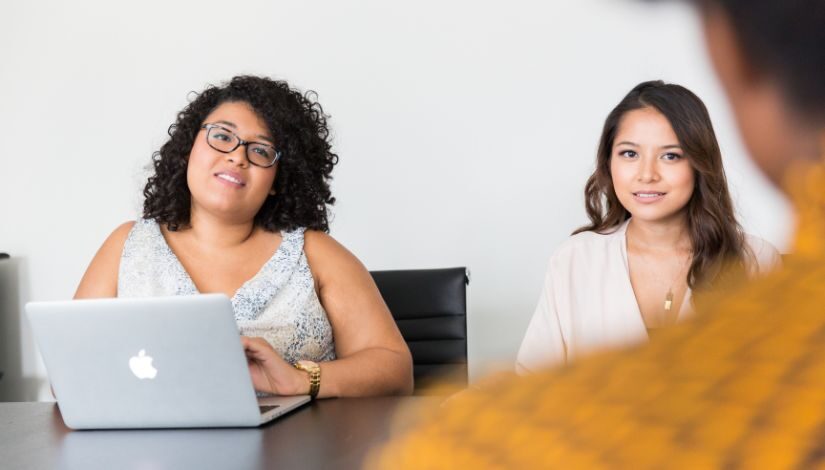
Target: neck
209,230
661,235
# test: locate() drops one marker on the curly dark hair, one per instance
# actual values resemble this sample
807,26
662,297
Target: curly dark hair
299,126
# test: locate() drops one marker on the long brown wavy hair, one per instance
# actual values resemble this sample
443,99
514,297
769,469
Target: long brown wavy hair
716,237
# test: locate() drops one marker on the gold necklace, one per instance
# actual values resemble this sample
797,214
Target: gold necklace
669,296
668,303
668,300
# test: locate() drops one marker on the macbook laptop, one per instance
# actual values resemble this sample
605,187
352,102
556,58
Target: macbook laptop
162,362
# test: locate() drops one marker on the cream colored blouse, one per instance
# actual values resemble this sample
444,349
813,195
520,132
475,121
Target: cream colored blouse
587,302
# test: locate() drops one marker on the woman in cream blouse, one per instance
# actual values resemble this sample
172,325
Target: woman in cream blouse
662,225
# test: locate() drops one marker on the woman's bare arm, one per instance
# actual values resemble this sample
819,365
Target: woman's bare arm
373,358
100,279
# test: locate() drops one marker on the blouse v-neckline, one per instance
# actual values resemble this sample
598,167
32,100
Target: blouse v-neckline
621,232
282,254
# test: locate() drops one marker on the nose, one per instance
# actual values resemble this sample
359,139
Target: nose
647,170
238,157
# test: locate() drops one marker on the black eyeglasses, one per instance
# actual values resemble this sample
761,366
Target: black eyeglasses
225,141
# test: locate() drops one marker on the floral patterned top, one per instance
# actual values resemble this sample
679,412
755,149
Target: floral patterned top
278,304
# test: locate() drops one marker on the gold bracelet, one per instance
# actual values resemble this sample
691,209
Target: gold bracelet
314,371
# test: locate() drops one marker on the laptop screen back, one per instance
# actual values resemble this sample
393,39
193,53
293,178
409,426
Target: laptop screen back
149,362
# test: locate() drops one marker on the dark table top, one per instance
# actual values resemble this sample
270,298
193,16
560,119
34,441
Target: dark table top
334,433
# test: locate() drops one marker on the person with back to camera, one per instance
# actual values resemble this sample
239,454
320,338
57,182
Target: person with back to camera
662,225
740,386
237,205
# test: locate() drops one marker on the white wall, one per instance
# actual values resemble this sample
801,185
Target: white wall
465,129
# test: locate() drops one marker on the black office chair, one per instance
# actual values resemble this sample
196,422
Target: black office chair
430,308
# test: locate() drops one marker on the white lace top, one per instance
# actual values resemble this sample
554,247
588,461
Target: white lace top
278,304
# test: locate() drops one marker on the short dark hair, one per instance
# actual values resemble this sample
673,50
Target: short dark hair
299,126
786,40
716,237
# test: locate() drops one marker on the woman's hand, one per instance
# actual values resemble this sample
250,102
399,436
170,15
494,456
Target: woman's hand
269,372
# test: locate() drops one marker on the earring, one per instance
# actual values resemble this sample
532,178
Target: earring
272,192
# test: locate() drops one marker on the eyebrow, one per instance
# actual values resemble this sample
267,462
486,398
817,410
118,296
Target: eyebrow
233,126
663,147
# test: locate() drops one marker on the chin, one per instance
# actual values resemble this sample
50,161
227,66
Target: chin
654,216
227,212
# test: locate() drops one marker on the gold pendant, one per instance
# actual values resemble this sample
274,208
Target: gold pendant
668,301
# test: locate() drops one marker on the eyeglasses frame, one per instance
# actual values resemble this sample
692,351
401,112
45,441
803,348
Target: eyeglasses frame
239,143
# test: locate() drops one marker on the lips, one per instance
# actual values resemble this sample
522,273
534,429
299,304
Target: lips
231,178
648,194
648,197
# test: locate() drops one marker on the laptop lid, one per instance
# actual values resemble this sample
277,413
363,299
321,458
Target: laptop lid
147,362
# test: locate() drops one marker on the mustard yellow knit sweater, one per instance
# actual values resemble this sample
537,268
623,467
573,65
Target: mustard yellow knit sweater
741,386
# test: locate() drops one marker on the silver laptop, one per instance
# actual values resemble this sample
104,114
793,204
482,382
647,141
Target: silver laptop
163,362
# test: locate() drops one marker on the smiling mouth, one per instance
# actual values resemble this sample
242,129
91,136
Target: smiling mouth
229,178
648,195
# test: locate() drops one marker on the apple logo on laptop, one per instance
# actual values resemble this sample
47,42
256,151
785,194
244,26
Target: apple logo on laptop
141,366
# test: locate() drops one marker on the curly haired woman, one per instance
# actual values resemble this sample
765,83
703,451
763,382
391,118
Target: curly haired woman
237,205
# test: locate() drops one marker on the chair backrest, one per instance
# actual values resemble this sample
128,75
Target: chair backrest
430,308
